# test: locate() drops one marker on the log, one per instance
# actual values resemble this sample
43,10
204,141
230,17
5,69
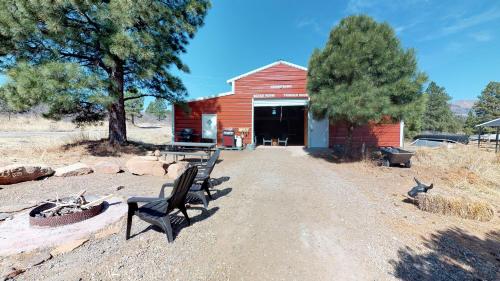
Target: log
90,204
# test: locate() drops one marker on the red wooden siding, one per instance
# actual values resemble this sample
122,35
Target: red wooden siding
278,81
371,135
235,111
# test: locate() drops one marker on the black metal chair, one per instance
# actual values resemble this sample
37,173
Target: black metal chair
156,210
202,180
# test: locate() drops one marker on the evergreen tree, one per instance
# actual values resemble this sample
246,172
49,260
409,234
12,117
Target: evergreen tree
4,106
363,75
158,108
438,115
77,57
134,107
486,108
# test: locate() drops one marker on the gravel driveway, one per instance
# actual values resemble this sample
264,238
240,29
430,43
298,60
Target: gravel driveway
282,215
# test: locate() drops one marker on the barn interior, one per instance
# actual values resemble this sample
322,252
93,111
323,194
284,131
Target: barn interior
280,122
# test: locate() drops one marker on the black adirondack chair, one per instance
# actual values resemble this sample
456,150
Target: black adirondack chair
202,180
156,209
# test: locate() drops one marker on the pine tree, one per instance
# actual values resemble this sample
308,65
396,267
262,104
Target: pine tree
363,75
158,108
134,107
486,108
438,115
77,57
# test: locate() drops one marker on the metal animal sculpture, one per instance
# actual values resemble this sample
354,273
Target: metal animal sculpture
419,188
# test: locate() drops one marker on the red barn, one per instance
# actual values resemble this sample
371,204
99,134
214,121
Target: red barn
272,102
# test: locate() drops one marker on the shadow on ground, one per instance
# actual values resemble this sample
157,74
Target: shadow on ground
102,148
451,254
329,155
179,222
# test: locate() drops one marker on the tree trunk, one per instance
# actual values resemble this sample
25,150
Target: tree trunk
132,119
117,124
348,141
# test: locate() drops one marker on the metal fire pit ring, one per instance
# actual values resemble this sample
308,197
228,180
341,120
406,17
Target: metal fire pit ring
64,219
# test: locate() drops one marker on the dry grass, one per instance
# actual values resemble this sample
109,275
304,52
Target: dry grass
455,206
36,123
462,167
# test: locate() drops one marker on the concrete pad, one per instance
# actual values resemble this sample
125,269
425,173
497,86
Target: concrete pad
16,235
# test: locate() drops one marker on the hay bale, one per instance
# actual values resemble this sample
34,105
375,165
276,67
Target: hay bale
455,206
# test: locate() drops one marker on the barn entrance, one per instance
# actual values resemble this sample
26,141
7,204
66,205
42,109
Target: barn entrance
276,121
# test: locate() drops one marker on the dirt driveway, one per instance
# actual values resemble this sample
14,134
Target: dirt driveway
282,215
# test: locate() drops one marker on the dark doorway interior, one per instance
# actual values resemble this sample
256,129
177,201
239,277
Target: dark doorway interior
280,122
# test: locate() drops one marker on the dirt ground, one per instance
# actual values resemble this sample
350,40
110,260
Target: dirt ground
278,214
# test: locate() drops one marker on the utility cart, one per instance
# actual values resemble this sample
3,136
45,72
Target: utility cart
395,155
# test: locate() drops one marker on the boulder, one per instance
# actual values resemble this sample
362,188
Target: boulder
175,170
143,166
148,158
107,168
157,153
19,173
76,169
68,247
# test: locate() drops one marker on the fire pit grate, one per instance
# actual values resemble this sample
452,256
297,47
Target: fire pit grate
65,219
52,213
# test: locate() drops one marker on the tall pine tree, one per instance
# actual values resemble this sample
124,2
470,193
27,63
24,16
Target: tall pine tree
158,108
363,74
133,107
77,57
486,108
438,116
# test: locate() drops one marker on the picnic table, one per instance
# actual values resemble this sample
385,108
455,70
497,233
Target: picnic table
177,149
205,146
176,154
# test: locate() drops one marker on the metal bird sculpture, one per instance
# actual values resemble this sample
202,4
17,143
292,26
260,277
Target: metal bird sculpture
419,188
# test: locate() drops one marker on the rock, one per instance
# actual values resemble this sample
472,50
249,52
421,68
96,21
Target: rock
76,169
17,208
108,231
149,158
107,168
5,216
141,166
68,247
157,153
176,169
120,187
15,272
19,173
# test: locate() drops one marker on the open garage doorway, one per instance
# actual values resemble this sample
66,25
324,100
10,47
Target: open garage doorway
281,122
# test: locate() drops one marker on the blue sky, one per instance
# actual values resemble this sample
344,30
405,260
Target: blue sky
457,42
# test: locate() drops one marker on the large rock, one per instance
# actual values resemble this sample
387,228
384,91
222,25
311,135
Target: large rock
76,169
107,168
19,173
175,170
146,165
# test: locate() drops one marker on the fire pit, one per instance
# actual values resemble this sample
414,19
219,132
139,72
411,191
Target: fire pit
67,210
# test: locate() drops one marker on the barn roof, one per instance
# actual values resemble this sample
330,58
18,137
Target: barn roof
491,123
265,67
212,96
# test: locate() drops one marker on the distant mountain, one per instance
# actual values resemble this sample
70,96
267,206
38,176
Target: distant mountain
461,107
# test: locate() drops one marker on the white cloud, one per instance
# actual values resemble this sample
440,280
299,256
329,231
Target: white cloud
462,24
481,36
310,23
